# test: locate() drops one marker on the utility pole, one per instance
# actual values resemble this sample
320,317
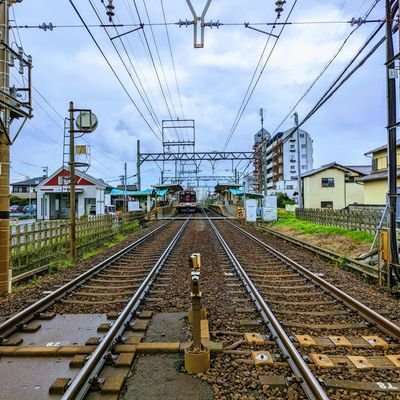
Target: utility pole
72,211
391,143
5,273
138,164
125,199
299,183
11,108
86,122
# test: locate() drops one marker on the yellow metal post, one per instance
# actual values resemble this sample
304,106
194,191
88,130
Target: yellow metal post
197,356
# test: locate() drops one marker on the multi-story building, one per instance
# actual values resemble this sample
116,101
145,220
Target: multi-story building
25,189
376,183
254,182
281,161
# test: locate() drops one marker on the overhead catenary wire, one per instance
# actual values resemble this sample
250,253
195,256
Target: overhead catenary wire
343,77
249,93
221,24
142,96
325,68
113,70
172,58
153,62
160,61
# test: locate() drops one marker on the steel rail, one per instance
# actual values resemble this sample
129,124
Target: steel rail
306,378
372,316
13,323
81,384
356,265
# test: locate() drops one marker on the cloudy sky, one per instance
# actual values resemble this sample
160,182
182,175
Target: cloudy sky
212,81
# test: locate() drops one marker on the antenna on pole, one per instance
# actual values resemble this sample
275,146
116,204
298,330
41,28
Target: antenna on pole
262,118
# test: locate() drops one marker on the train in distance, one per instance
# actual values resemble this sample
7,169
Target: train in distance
187,201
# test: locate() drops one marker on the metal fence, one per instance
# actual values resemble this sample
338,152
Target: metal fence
38,243
361,220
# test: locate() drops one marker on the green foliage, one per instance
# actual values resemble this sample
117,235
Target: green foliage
289,219
89,254
14,200
283,199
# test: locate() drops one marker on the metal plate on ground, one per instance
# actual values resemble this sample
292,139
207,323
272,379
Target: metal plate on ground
78,328
364,386
30,378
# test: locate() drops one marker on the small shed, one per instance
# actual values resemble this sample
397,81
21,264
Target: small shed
227,193
166,193
53,195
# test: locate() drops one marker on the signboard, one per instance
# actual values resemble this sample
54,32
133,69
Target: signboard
270,211
251,210
133,206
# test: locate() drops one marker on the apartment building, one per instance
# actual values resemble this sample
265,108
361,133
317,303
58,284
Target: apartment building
281,161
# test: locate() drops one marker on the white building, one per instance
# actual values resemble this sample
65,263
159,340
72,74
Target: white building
53,195
282,161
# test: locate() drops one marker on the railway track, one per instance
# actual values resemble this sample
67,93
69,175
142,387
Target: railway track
274,329
334,333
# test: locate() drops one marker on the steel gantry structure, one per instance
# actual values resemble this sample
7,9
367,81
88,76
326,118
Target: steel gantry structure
190,157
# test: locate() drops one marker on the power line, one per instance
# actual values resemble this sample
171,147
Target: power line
152,60
338,83
112,69
324,69
244,104
172,58
149,108
182,23
160,61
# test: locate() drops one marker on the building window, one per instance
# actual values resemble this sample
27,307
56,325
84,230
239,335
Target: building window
304,167
328,182
301,135
303,146
326,204
289,187
293,177
379,163
292,160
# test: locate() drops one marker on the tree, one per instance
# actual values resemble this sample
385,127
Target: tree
283,199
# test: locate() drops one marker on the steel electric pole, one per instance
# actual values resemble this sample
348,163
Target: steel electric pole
391,74
4,163
11,108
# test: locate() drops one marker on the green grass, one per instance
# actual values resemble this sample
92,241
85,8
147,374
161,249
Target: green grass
289,219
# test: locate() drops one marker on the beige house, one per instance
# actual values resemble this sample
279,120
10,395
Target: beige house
334,186
376,183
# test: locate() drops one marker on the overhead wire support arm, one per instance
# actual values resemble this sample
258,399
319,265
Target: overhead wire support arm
196,43
126,33
247,25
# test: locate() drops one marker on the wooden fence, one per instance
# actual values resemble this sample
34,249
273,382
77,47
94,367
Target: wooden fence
38,243
365,220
